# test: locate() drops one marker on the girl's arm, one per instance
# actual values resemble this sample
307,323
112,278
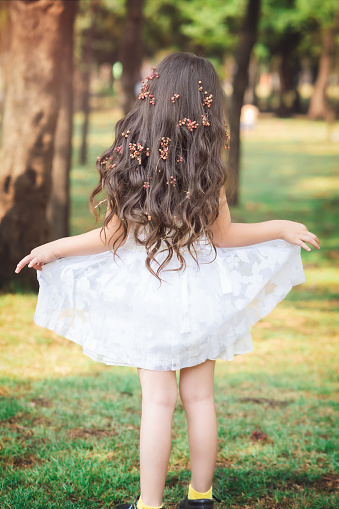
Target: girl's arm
228,234
89,243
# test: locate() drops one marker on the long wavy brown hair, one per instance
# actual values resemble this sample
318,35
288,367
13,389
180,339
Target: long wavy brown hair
164,171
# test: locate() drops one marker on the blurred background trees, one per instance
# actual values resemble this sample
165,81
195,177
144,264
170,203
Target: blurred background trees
59,57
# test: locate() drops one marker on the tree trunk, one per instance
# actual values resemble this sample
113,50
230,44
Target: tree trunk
86,80
58,206
247,40
30,114
131,52
318,108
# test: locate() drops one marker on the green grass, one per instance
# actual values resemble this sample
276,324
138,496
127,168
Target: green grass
69,426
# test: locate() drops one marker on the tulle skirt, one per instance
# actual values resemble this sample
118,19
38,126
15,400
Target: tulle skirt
121,315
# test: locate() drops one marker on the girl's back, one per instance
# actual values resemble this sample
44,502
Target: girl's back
169,283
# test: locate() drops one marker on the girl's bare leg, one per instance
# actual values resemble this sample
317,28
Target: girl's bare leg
159,396
197,395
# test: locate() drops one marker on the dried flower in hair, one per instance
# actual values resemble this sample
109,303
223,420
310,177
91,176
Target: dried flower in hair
136,150
149,217
207,100
172,181
164,142
205,122
174,98
227,137
180,160
146,185
190,124
144,91
188,194
119,149
125,134
154,74
151,99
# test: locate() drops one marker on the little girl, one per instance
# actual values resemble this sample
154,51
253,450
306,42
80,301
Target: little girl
169,283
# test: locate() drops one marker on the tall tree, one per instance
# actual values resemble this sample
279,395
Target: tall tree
324,15
318,108
30,117
240,83
86,78
131,52
58,206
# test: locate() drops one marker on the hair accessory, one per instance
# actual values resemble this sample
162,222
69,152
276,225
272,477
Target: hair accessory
111,166
227,137
146,184
207,100
149,217
164,142
144,91
190,124
136,150
174,98
118,149
180,160
125,134
154,74
172,181
205,122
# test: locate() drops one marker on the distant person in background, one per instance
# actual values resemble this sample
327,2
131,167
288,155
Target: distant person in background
248,117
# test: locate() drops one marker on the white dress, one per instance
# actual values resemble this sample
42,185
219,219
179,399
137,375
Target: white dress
120,314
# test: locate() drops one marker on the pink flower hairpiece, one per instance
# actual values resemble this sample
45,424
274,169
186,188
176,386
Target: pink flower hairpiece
205,121
172,181
163,149
207,99
144,91
188,123
136,150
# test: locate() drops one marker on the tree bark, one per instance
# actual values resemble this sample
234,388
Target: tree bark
318,108
240,82
31,107
131,52
86,80
58,206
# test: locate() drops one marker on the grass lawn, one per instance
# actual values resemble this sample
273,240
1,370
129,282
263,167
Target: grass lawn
69,426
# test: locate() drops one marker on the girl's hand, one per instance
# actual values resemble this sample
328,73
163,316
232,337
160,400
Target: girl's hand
38,257
297,233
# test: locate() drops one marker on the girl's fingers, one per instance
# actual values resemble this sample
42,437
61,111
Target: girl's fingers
309,234
303,245
311,240
22,263
33,262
